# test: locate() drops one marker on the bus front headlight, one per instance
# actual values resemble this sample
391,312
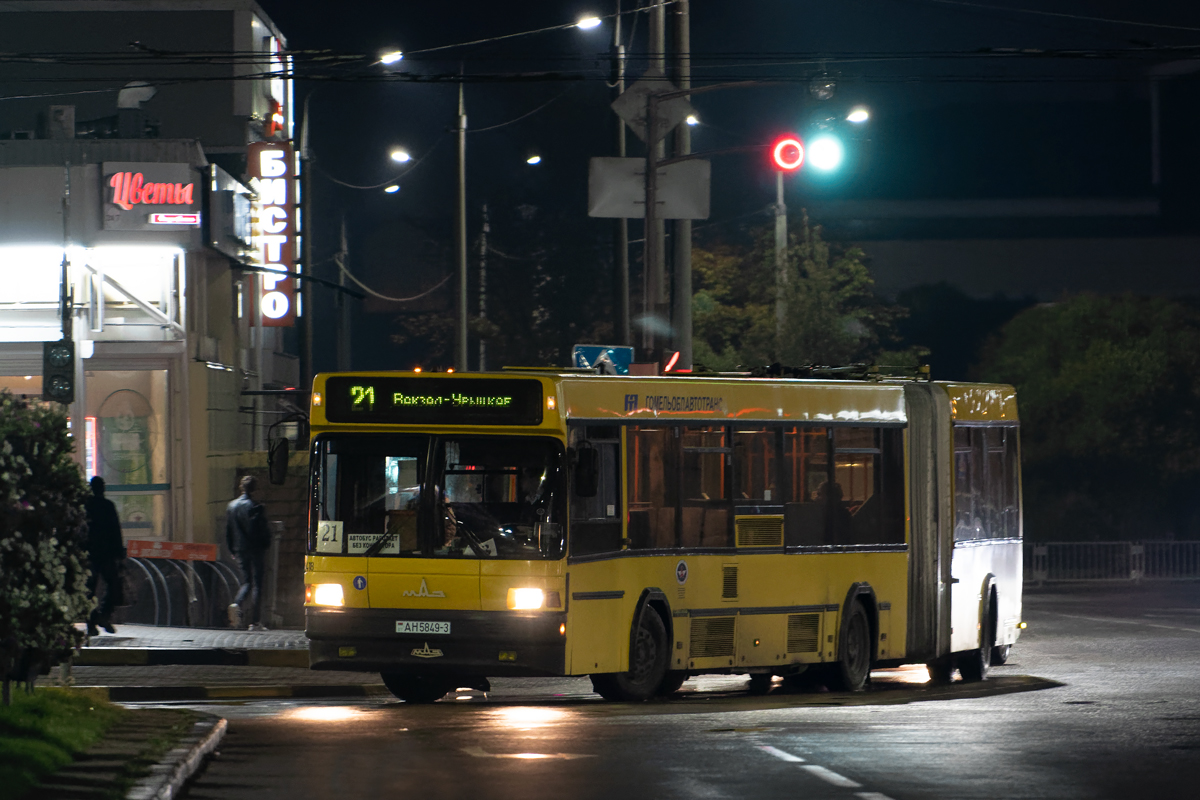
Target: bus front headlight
526,599
328,594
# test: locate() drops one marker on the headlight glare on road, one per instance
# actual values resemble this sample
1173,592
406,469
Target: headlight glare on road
329,594
526,599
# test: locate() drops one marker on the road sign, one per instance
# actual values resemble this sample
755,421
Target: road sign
631,106
184,551
591,355
617,188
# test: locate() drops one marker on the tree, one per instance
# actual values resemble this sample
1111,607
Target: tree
43,580
1109,396
832,314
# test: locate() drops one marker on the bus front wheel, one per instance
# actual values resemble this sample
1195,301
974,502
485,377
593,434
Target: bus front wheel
854,659
647,664
415,688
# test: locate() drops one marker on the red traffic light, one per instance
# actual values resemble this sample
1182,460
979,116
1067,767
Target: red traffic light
787,153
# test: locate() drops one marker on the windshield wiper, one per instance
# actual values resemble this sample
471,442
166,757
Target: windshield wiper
378,544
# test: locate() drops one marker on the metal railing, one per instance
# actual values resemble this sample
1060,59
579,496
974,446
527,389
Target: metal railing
1111,561
170,592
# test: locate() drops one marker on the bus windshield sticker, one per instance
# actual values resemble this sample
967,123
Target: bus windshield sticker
329,536
361,543
404,400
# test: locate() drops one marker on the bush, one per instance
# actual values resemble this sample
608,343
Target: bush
43,574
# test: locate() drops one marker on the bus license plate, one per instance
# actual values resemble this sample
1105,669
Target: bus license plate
422,627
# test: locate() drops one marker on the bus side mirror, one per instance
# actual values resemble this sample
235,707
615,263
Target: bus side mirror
587,471
277,461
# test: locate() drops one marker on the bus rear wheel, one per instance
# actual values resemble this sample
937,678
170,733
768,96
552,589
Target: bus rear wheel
1000,654
854,659
647,664
974,664
415,688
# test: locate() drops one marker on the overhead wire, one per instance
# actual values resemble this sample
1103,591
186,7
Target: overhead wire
1064,15
382,296
317,165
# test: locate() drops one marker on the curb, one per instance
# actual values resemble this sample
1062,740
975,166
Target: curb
177,767
162,694
189,656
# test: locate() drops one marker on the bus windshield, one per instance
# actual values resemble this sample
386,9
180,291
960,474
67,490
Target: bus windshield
419,496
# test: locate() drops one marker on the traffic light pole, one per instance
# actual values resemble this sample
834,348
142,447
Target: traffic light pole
780,257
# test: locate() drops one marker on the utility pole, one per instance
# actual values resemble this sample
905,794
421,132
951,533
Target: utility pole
343,345
483,234
460,235
655,233
308,306
683,227
621,326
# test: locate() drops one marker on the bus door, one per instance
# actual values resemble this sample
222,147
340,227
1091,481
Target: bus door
598,630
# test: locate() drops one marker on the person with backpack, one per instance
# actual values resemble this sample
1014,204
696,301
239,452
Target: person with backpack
248,538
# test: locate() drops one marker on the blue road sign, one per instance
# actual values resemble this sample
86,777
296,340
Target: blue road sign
612,359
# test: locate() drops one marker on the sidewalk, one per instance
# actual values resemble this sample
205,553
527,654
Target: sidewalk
143,663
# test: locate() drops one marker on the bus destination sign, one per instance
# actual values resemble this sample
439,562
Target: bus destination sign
394,400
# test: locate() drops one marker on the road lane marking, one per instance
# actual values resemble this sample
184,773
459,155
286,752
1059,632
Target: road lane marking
1124,621
831,776
781,755
479,752
871,796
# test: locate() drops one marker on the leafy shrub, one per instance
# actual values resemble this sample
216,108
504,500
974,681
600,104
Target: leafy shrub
43,572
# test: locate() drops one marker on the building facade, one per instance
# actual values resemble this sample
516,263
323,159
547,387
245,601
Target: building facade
148,212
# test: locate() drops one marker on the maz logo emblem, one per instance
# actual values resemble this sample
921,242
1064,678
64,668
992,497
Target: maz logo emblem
427,652
423,592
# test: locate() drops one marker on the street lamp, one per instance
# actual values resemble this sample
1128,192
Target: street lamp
391,57
858,115
392,189
587,23
534,159
401,156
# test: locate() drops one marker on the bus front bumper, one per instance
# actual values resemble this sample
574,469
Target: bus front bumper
480,643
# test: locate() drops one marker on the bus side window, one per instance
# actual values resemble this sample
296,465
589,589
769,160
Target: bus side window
869,478
805,471
1000,499
596,520
1012,485
653,473
707,461
971,512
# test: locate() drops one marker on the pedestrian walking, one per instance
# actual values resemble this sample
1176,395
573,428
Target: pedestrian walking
248,538
105,550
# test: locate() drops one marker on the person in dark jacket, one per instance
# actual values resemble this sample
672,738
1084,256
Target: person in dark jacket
105,552
248,538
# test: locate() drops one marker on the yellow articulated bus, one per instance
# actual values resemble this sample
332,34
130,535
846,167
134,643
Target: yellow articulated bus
641,530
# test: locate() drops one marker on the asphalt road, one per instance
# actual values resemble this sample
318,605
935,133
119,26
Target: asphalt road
1100,699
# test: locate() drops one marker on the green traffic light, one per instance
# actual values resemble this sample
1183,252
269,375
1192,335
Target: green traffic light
826,153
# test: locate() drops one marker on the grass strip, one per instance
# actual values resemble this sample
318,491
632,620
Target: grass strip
43,732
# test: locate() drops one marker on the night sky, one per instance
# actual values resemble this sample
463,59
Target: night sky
968,100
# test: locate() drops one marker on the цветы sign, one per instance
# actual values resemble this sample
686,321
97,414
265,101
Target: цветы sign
137,195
